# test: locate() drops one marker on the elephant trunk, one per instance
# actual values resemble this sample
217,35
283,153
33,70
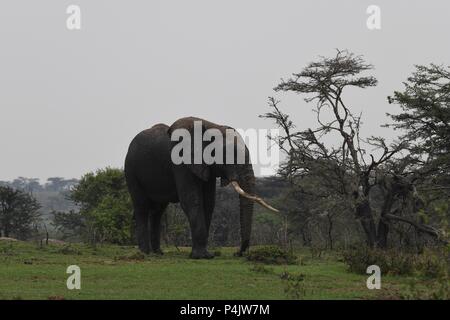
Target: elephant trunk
247,182
245,187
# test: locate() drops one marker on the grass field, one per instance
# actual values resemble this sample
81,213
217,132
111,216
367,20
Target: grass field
118,272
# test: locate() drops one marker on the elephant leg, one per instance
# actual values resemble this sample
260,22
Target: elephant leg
190,193
156,212
141,212
199,231
209,200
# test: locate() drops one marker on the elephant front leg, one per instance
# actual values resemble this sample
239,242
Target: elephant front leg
190,193
199,231
199,239
209,199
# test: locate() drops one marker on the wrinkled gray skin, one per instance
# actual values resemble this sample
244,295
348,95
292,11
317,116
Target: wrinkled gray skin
154,182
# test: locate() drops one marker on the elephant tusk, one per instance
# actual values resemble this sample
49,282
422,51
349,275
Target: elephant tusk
257,199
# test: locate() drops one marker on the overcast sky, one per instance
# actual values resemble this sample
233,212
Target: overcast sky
71,101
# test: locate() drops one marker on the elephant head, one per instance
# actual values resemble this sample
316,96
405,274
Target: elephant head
223,154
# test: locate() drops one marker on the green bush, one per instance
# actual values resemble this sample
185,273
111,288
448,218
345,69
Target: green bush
438,289
432,264
105,213
390,262
271,255
259,268
68,249
294,285
133,256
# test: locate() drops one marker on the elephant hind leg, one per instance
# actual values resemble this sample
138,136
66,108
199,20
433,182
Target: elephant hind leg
156,212
141,211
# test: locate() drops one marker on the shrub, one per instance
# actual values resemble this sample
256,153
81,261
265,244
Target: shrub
438,289
271,255
359,259
261,269
68,249
294,285
395,262
434,264
133,256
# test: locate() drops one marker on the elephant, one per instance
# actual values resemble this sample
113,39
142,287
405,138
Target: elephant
154,180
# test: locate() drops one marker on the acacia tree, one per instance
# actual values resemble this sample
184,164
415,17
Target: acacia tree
344,170
425,124
425,121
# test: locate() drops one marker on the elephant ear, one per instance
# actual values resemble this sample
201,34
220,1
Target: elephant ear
200,170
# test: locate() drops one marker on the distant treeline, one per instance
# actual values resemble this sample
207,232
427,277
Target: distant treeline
52,195
67,212
32,185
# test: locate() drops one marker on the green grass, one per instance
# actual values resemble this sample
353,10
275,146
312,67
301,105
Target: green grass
118,272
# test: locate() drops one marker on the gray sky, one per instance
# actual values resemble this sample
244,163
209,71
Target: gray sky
71,101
